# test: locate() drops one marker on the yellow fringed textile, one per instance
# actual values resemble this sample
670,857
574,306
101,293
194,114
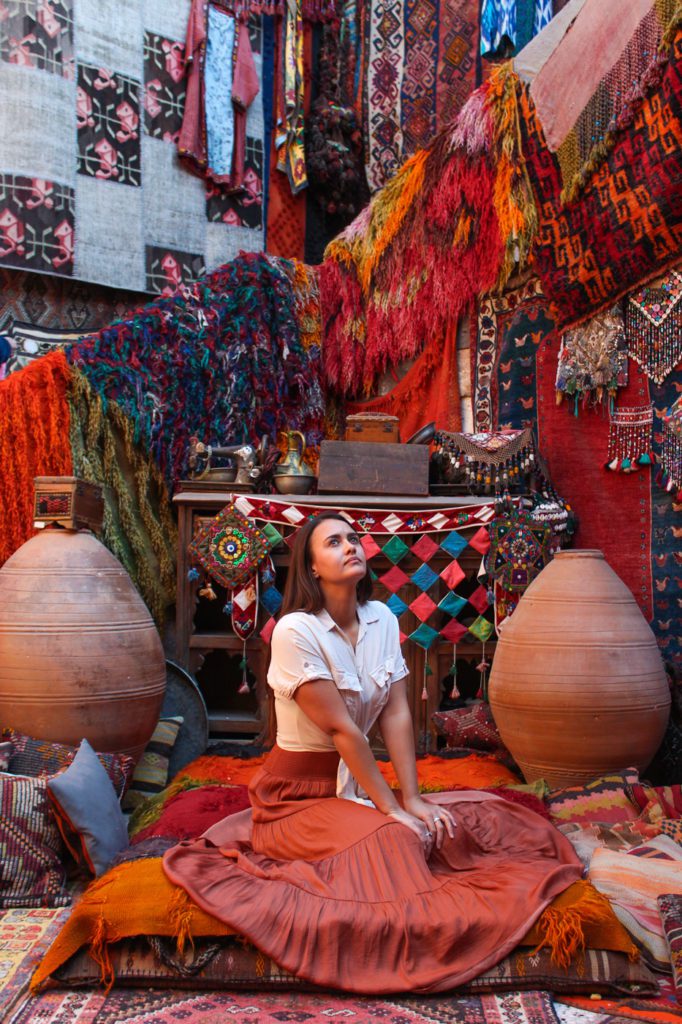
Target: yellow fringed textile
138,528
577,919
513,195
134,898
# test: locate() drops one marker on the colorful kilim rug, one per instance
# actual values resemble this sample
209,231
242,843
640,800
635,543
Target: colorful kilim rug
385,69
25,935
131,1006
626,225
456,75
628,517
429,605
664,1010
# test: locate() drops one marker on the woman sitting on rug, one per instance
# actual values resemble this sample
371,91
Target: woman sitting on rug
337,879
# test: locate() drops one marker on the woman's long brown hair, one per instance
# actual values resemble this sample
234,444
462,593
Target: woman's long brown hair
302,592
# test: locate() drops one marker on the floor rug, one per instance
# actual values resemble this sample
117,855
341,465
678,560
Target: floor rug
125,1006
25,935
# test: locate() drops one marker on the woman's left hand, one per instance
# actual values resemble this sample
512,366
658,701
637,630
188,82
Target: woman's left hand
438,820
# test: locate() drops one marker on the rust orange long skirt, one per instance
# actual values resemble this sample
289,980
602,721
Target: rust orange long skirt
342,896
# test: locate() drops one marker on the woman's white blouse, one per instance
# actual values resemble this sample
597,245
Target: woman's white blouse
307,647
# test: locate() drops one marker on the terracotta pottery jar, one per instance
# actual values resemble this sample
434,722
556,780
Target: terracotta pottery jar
79,653
577,685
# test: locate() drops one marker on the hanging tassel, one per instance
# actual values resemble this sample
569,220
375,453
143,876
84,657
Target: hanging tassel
244,688
207,591
428,671
454,692
193,575
483,667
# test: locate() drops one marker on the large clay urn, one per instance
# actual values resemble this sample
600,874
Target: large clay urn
577,686
79,653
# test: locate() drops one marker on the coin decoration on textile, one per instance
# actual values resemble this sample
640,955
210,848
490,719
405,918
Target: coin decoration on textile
593,360
519,550
490,461
653,326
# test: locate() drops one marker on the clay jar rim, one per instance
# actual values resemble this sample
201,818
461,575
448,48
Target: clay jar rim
581,553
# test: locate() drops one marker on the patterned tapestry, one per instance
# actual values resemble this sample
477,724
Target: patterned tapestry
421,66
626,224
629,517
90,183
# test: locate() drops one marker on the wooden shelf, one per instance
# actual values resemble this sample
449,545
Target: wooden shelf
222,720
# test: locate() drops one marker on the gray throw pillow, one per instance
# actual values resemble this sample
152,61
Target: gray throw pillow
87,811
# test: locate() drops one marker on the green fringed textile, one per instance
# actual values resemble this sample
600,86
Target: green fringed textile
138,528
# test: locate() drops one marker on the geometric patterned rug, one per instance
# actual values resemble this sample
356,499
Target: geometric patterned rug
148,1006
25,935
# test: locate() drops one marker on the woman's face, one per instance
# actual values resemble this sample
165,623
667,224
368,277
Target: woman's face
336,554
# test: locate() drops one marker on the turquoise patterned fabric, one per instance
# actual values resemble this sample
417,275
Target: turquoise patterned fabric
218,91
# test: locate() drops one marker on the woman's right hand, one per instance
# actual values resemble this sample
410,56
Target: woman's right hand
415,825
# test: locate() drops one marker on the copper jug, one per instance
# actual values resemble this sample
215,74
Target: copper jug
292,475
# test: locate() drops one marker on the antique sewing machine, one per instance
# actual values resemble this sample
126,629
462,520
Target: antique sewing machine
245,467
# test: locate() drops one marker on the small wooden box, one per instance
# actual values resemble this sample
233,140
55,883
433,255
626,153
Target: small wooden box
68,501
373,426
348,467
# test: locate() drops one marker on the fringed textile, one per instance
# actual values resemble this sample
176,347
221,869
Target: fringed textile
138,527
429,391
671,450
452,223
653,325
134,898
625,227
630,438
222,360
34,441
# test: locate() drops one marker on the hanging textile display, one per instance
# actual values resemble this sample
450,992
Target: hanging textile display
519,550
222,83
493,461
670,476
414,558
289,134
630,429
228,550
593,360
654,326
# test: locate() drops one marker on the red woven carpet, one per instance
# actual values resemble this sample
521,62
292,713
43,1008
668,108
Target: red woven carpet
125,1006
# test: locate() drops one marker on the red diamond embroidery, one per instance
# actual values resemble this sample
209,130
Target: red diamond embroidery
453,574
423,606
394,579
480,541
454,631
479,599
370,546
425,548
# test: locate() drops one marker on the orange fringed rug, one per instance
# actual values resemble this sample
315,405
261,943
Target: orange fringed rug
428,392
34,441
436,774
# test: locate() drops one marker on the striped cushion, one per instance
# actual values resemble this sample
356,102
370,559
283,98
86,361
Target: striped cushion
151,773
605,799
40,758
31,872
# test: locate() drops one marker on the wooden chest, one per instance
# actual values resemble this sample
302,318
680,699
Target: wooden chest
373,426
347,467
68,501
